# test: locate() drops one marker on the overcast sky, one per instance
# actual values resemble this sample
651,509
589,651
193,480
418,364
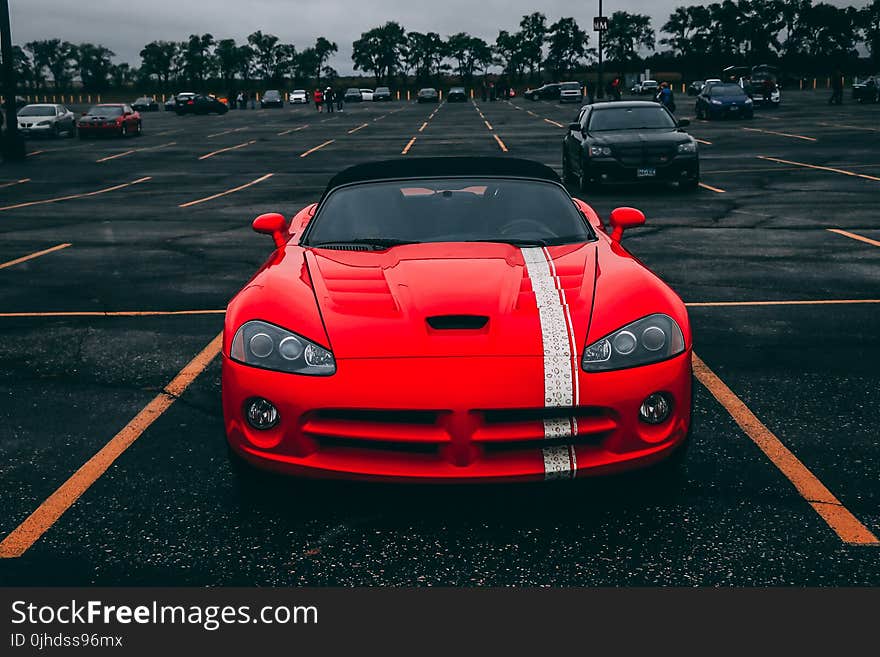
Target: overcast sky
126,26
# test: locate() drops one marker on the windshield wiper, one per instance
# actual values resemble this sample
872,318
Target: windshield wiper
553,241
381,242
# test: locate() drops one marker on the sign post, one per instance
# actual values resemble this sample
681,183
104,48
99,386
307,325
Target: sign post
12,142
600,24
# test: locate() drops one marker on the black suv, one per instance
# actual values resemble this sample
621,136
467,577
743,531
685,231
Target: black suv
547,92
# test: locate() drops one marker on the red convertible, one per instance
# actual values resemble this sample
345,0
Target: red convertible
116,119
454,319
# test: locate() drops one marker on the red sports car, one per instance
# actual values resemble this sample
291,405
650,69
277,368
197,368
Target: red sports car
454,319
117,119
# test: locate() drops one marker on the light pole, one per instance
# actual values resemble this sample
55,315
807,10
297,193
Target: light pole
600,88
13,144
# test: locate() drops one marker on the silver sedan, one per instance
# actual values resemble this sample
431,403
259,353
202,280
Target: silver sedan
46,119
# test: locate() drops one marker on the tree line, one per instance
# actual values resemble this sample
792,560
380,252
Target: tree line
800,36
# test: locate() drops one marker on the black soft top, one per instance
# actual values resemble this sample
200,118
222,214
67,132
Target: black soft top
442,167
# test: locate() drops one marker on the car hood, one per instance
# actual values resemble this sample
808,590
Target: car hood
454,299
637,137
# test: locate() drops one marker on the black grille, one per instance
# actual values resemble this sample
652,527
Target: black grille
384,416
644,154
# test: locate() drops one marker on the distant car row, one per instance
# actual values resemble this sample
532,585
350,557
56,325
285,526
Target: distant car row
571,92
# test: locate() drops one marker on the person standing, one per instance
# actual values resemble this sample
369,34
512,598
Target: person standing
329,99
340,99
319,99
836,89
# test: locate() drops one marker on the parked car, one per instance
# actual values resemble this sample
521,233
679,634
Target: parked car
382,93
545,92
648,88
366,95
571,92
353,95
178,99
298,97
695,87
46,119
362,348
427,95
759,82
456,95
722,101
201,104
867,90
111,119
145,104
633,140
272,98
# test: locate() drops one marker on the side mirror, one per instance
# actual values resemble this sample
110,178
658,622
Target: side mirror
574,127
273,224
684,123
622,218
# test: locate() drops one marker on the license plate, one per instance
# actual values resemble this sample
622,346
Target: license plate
733,108
647,172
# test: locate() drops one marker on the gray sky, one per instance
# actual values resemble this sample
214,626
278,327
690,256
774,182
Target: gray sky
125,27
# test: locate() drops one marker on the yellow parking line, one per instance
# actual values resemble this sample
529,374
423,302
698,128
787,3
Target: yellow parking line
838,517
33,255
15,182
424,125
228,148
805,302
531,113
317,148
74,196
226,132
360,127
819,167
861,238
32,153
781,134
488,125
500,143
113,157
849,127
717,190
287,132
703,141
408,146
228,191
45,515
556,123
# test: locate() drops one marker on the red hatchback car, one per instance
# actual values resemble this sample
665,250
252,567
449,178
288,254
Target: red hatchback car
454,319
116,119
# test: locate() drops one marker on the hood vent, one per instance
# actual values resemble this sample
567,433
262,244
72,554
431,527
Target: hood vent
453,322
348,247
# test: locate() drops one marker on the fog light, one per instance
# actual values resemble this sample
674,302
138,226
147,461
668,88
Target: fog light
655,409
261,413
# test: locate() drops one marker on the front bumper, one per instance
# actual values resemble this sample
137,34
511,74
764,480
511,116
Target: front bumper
36,130
452,420
92,129
729,112
575,98
680,167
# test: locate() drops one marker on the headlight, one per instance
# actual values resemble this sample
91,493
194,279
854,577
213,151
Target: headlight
687,147
748,101
273,348
647,340
600,151
715,102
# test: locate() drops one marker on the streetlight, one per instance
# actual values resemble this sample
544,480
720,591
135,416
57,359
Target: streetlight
13,144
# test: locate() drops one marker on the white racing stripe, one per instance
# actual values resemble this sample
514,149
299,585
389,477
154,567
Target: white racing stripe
561,388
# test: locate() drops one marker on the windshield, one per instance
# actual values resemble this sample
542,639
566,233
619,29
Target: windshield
143,99
272,94
571,86
383,90
448,210
427,92
104,110
36,110
630,118
727,90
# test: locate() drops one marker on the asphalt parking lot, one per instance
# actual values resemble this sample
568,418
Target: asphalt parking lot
138,244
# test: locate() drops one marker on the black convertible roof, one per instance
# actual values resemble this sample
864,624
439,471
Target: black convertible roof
442,167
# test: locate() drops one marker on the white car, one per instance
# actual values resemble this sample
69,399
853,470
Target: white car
366,95
299,97
46,119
